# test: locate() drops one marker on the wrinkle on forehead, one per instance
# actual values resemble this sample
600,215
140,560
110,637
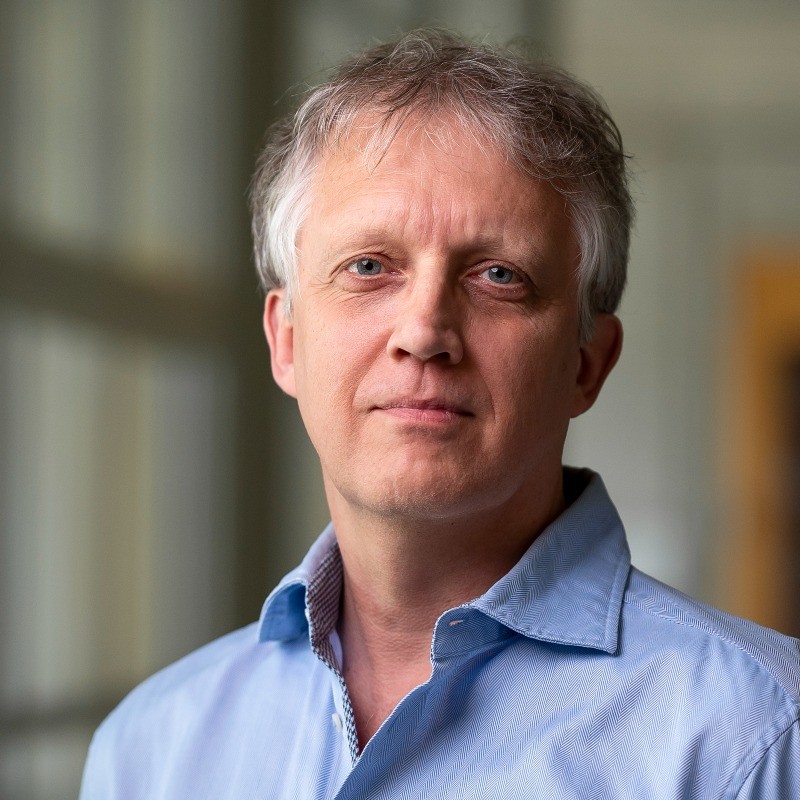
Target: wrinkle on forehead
417,139
420,198
418,191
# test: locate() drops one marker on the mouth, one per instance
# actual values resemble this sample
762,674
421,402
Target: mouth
435,411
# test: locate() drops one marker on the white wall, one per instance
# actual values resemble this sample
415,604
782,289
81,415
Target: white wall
707,96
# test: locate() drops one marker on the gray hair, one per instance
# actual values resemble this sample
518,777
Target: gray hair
547,124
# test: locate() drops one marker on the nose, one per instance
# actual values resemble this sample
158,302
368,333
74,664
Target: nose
428,323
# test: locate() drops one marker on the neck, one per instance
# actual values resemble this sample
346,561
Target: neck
402,573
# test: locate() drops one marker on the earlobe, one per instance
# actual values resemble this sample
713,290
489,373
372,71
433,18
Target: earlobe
598,357
279,331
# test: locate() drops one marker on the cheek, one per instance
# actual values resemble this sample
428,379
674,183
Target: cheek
535,373
332,355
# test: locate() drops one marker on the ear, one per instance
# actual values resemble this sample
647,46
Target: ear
598,357
279,331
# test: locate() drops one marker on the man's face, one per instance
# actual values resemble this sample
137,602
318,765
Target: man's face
434,344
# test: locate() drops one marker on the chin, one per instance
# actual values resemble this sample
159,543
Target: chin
420,500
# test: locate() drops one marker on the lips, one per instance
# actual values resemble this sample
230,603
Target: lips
425,410
425,405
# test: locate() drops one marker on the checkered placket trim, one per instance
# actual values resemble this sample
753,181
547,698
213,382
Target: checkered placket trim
322,600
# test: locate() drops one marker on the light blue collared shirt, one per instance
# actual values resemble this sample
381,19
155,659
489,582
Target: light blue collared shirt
574,676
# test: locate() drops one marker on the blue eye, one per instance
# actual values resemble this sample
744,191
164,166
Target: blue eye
366,267
499,274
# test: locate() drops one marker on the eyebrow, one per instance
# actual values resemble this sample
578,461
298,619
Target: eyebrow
383,235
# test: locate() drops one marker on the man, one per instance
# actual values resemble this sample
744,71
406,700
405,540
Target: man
442,231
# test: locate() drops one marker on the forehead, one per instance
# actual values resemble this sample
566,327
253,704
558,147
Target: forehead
430,176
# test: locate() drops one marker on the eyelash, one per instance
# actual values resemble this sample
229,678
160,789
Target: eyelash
353,266
517,279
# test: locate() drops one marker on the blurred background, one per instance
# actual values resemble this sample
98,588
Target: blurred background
154,484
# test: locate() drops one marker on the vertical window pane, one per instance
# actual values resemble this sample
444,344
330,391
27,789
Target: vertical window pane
116,479
122,131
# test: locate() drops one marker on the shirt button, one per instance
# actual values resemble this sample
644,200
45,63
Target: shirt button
337,722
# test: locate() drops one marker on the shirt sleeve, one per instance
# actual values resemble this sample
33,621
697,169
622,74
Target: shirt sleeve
103,777
777,774
91,774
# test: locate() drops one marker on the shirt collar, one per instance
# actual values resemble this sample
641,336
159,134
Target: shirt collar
567,588
569,585
285,615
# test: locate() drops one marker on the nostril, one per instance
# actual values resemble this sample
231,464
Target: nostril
427,326
442,346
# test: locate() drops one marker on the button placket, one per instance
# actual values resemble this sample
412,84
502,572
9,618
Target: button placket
322,607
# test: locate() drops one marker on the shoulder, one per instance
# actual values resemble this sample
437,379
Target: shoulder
732,685
165,695
172,717
697,627
199,667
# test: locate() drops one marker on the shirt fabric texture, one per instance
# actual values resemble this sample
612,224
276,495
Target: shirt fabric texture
574,676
